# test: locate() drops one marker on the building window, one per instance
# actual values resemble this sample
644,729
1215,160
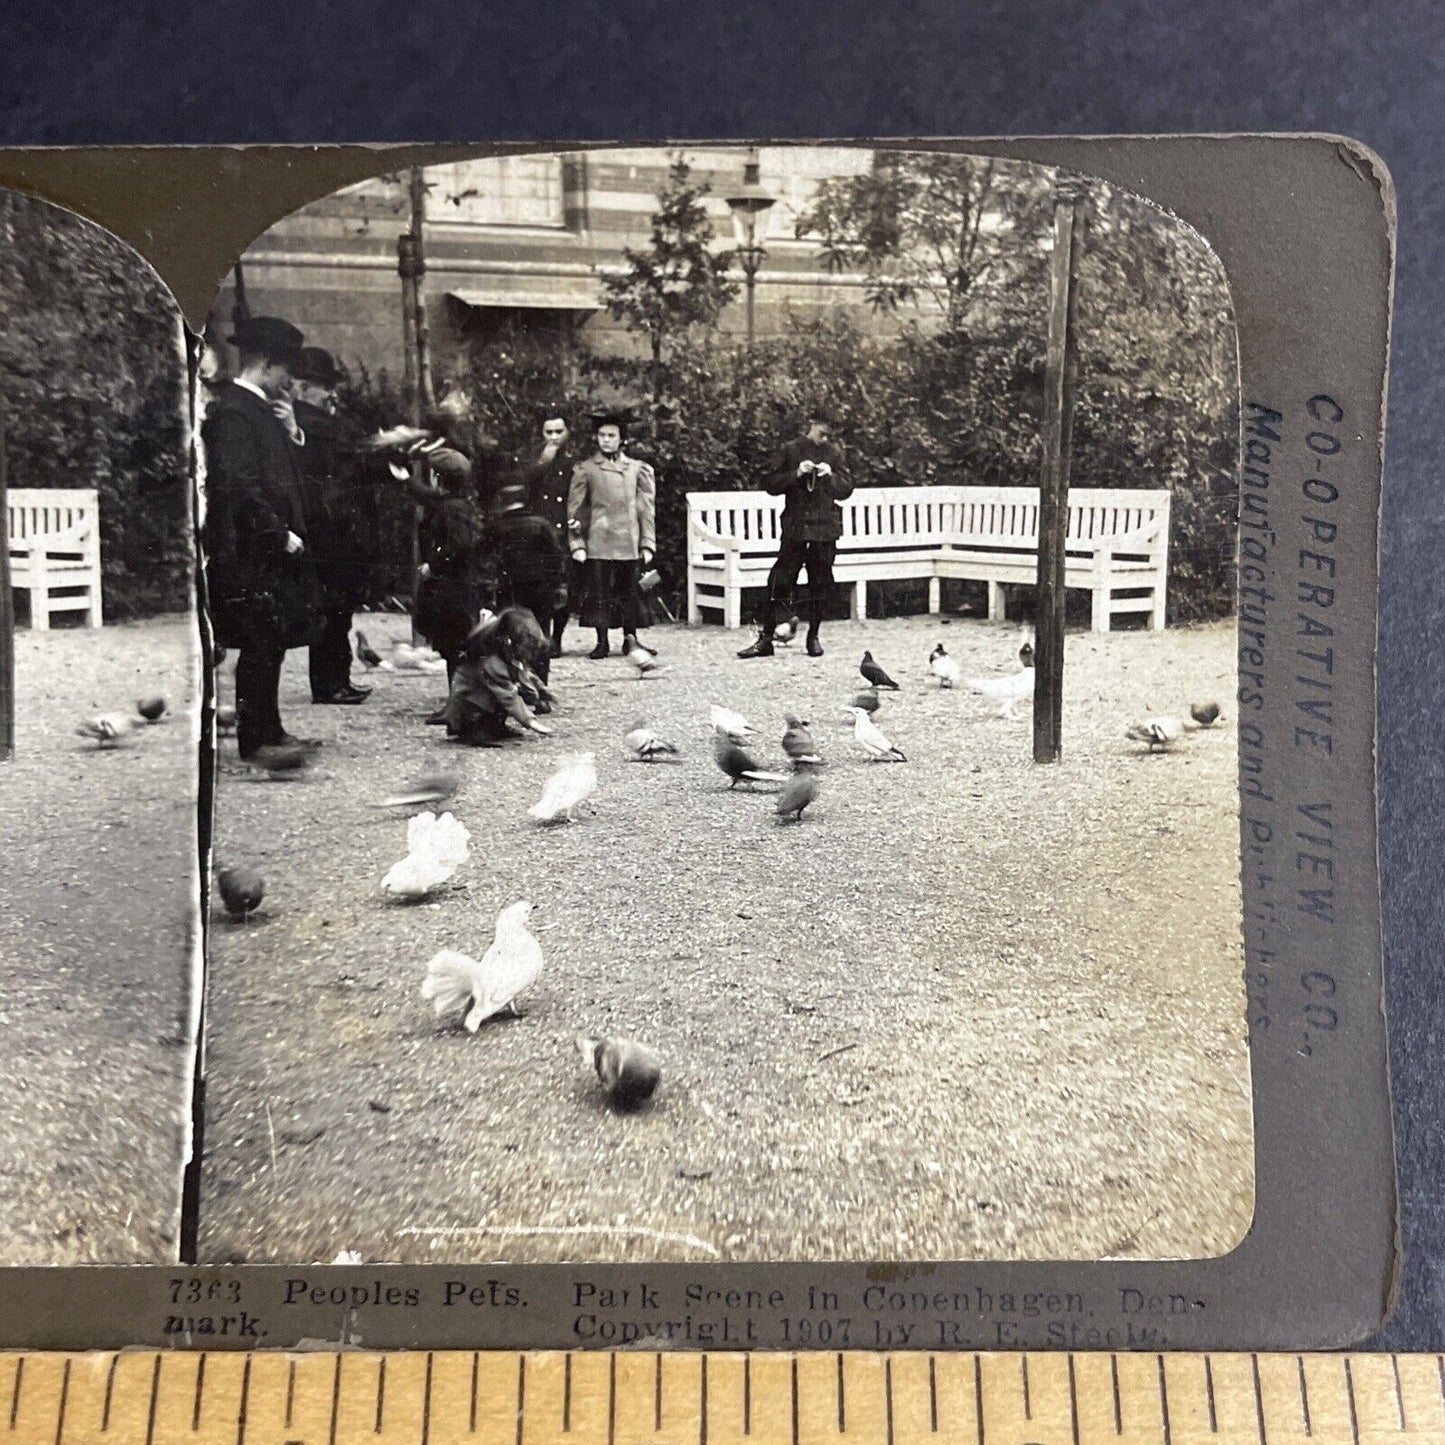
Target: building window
501,191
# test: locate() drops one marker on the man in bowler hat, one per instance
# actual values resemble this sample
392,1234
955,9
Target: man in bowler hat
259,579
339,516
549,478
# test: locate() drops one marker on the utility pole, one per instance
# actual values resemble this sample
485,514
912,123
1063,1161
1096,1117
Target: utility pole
411,266
1060,383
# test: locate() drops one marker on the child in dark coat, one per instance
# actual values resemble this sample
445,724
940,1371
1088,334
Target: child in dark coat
529,560
496,681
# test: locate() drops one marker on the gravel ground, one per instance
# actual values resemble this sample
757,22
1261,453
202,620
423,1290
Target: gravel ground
98,937
968,1008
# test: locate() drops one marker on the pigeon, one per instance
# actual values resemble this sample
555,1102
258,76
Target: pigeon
1008,691
508,969
241,889
785,632
875,674
645,745
432,788
644,659
108,729
567,789
1206,714
1158,732
406,658
798,741
281,759
868,700
872,740
366,654
152,709
397,439
729,723
738,765
798,792
943,667
225,719
1026,649
435,848
629,1071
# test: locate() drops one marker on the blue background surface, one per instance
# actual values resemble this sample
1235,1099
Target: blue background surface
315,70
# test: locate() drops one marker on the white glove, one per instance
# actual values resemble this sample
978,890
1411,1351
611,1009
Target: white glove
580,555
804,468
540,728
823,469
294,544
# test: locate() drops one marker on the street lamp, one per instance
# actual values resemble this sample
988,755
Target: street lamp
748,206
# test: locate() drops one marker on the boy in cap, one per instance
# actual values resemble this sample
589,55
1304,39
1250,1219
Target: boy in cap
611,520
259,581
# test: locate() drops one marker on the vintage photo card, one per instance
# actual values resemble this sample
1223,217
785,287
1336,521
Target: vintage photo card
99,932
819,917
787,748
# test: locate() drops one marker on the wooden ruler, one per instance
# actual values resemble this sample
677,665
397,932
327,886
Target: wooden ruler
583,1398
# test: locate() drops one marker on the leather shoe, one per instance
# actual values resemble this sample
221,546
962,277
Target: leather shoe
600,651
815,648
344,697
763,647
288,739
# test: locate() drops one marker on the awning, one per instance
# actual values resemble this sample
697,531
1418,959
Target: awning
567,293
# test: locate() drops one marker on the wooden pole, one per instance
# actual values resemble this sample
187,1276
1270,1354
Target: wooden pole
7,621
420,327
1060,381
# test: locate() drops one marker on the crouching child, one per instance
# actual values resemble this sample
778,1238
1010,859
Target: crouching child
496,693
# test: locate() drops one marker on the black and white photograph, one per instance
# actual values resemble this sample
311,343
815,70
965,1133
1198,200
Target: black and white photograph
100,681
725,672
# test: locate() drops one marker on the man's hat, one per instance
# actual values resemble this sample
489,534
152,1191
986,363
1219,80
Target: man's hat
273,338
616,416
317,366
509,499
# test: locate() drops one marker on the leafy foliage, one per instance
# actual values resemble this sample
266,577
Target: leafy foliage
93,394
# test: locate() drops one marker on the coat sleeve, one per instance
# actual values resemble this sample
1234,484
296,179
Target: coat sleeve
236,476
840,483
784,474
500,683
646,509
579,507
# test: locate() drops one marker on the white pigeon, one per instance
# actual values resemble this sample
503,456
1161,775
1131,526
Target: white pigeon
567,789
729,723
1008,691
1158,732
508,968
871,739
435,848
943,667
644,661
406,658
645,745
108,729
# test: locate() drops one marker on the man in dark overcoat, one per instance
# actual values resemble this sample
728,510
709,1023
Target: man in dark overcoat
259,578
340,516
808,471
549,478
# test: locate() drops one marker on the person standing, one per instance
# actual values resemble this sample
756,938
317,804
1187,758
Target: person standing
259,579
612,525
530,562
808,471
337,512
549,479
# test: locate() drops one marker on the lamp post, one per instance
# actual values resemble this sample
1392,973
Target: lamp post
749,206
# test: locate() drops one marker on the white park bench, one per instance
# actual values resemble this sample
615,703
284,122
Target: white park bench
54,546
1118,543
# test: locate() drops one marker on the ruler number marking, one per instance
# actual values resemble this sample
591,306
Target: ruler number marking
64,1396
1304,1396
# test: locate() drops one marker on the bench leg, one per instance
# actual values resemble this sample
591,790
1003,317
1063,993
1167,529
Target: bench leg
935,595
1156,618
996,609
694,612
40,606
1099,621
93,616
733,609
859,608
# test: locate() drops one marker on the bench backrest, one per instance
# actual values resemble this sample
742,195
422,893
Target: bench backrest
32,513
901,518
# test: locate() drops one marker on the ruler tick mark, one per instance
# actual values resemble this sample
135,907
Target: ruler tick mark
245,1397
1304,1396
335,1398
521,1393
657,1393
1118,1404
842,1416
15,1392
109,1391
1024,1376
1258,1399
1073,1401
702,1409
566,1393
794,1378
887,1393
1350,1391
426,1403
200,1393
476,1364
290,1390
611,1400
64,1396
1399,1393
155,1394
932,1396
1209,1395
1163,1401
747,1395
380,1394
978,1395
